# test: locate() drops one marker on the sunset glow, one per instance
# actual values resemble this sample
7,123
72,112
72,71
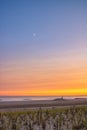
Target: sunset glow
43,48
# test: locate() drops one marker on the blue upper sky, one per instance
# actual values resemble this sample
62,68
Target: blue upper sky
35,28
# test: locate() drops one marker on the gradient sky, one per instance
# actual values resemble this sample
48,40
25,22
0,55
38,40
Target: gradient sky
43,47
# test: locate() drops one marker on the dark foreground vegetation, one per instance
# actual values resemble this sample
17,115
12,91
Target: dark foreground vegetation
70,118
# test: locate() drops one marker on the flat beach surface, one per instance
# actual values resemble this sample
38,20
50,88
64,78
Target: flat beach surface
34,104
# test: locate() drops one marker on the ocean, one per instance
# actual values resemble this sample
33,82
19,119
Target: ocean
29,98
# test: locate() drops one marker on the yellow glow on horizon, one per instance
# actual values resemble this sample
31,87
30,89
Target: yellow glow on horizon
69,92
65,75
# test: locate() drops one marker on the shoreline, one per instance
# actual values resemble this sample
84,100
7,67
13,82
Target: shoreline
35,104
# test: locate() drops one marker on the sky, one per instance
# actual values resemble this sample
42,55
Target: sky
43,47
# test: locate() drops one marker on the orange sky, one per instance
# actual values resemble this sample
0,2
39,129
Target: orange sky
65,74
43,47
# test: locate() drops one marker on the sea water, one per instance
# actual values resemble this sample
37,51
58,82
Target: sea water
29,98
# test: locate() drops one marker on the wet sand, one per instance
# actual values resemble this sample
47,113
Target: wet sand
26,105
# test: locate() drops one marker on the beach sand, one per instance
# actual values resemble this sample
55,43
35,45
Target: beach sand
27,105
